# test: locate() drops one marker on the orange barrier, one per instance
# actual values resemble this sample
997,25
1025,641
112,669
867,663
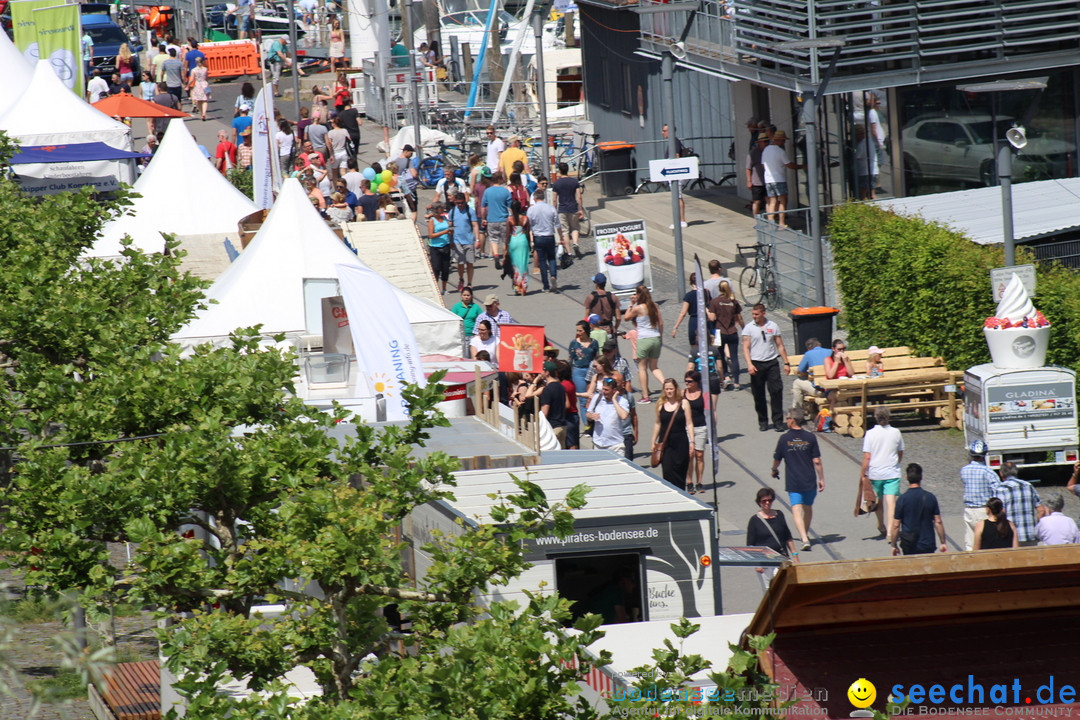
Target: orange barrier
231,58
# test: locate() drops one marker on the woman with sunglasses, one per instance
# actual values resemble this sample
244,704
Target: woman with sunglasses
650,328
768,528
696,400
674,431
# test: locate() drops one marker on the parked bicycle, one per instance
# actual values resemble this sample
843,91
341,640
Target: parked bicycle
431,167
757,282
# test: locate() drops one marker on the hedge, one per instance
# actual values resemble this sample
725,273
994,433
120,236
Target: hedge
907,281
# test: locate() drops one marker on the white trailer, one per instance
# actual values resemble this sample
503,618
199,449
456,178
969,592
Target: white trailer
635,528
1027,417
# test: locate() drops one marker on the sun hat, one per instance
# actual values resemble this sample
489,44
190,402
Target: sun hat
491,299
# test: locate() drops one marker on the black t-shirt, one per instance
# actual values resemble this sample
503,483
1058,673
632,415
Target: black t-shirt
350,120
369,204
566,188
757,535
915,510
798,448
554,396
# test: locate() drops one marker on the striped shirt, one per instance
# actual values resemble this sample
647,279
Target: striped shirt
979,484
1020,502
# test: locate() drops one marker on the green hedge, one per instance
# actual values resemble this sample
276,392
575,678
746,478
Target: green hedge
907,281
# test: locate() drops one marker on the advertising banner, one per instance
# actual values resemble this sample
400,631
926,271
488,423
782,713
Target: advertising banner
59,37
23,23
38,179
521,348
1026,403
622,253
386,349
263,153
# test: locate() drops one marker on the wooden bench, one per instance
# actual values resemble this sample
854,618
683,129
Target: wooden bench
132,691
859,356
925,389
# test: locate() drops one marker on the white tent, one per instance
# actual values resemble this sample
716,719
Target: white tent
182,193
17,73
283,274
48,113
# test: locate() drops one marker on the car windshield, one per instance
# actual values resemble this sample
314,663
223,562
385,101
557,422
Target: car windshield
106,35
983,131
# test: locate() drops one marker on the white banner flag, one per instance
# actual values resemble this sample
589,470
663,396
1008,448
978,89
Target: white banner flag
263,149
386,349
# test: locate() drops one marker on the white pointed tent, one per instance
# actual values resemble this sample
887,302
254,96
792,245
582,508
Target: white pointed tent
17,73
182,193
48,113
285,271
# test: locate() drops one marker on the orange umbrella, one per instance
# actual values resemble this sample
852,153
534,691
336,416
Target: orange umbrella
128,106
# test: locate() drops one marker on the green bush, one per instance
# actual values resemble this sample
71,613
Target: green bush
242,180
907,281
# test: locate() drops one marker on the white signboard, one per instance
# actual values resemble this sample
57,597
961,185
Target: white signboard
674,169
622,254
999,279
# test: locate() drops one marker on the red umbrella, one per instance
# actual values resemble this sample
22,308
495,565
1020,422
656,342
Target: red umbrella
128,106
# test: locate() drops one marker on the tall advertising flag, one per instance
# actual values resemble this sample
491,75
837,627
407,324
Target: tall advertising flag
23,23
263,153
386,348
59,32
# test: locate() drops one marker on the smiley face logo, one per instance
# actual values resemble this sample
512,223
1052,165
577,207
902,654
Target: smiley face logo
862,693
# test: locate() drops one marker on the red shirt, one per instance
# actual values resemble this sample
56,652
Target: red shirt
571,397
225,149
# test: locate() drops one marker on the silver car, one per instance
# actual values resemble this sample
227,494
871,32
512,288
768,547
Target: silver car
961,148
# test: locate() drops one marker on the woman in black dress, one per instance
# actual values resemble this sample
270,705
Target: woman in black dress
996,531
673,420
768,528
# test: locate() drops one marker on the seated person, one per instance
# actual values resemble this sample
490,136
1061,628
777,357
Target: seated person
803,388
875,367
837,365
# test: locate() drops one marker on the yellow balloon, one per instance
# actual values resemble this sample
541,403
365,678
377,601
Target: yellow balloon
384,188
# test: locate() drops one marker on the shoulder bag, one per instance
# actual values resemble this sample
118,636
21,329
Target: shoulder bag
658,450
783,548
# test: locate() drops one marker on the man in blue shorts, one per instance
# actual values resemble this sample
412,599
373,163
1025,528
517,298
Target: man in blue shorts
802,457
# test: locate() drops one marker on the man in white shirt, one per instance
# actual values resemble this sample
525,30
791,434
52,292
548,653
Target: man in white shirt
776,162
448,184
883,451
763,347
607,411
97,88
495,146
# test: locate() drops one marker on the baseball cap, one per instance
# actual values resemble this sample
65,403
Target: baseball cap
600,279
491,298
550,367
485,171
408,148
873,350
978,447
594,319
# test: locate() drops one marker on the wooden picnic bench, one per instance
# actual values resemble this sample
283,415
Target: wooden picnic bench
922,384
132,692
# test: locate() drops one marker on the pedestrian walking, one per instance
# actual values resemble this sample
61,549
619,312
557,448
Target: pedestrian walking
542,222
995,531
439,233
517,249
763,350
917,518
688,311
466,228
695,398
768,528
980,484
804,474
726,314
1022,503
644,313
583,350
883,451
673,434
607,411
199,86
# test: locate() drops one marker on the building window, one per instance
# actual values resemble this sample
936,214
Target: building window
605,83
627,91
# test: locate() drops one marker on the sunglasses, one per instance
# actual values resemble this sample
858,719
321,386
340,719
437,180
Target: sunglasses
609,381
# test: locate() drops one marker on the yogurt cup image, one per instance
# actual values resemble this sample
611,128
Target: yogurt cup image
624,262
1018,335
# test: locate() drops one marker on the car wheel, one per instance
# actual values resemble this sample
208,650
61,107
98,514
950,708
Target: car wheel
912,173
987,173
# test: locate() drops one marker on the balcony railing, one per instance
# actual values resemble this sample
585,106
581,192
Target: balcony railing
922,39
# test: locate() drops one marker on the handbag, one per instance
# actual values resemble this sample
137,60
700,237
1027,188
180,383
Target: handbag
657,456
783,548
865,499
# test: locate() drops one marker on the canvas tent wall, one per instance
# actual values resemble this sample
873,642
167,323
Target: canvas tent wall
17,74
47,113
279,281
182,193
633,521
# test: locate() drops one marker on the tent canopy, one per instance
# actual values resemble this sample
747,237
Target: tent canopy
182,193
79,152
17,74
47,113
268,284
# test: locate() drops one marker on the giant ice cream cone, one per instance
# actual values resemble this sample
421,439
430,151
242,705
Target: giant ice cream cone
1018,336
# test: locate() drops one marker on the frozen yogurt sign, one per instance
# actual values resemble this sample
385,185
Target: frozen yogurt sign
1018,335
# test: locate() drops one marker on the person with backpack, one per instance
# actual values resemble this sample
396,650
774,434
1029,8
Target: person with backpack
466,229
603,303
518,191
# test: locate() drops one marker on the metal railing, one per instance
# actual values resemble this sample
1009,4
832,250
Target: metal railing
881,37
793,260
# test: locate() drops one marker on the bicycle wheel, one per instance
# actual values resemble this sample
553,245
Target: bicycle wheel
431,171
750,286
769,293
